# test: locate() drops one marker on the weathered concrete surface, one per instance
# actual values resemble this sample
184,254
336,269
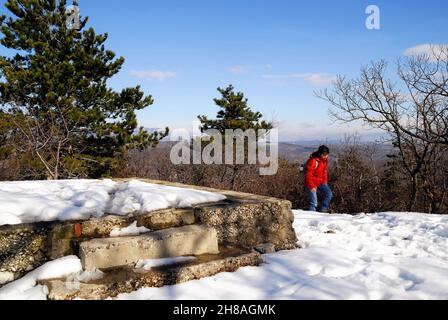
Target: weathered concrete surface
168,218
173,242
21,250
66,236
245,220
26,246
251,224
126,281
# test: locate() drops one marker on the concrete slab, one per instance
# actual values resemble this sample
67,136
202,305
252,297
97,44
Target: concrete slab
173,242
127,280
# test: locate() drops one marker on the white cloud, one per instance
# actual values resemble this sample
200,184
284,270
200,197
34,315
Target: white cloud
431,50
318,79
241,69
153,74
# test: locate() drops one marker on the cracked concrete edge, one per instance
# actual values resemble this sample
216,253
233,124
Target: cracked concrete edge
59,289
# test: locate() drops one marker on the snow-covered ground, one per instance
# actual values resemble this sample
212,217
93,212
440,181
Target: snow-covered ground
378,256
31,201
26,288
375,256
131,230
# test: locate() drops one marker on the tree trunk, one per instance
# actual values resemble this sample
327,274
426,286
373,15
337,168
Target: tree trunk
413,195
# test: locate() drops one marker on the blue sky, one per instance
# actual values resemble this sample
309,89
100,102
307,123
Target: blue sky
277,52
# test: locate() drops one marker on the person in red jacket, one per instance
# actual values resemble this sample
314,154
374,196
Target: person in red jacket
316,179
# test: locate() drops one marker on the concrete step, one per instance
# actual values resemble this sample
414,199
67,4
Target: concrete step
242,220
128,279
65,237
182,241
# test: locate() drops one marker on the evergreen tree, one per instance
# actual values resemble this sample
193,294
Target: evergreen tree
234,113
54,90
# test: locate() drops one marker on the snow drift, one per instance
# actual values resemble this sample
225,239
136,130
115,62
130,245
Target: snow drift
32,201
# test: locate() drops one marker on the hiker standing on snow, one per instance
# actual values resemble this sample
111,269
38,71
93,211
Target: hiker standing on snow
316,179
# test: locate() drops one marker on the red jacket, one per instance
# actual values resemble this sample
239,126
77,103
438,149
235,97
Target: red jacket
316,172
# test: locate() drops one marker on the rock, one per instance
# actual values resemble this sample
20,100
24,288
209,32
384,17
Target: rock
6,277
21,249
265,248
249,222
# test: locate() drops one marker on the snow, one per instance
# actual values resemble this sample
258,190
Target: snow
375,256
366,256
32,201
26,288
131,230
151,263
144,197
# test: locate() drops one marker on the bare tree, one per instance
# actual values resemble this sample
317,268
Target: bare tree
413,112
426,78
43,136
354,177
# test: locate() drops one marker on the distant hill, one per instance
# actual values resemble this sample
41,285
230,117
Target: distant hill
300,152
296,152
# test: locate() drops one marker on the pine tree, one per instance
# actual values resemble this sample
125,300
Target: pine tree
234,113
56,84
